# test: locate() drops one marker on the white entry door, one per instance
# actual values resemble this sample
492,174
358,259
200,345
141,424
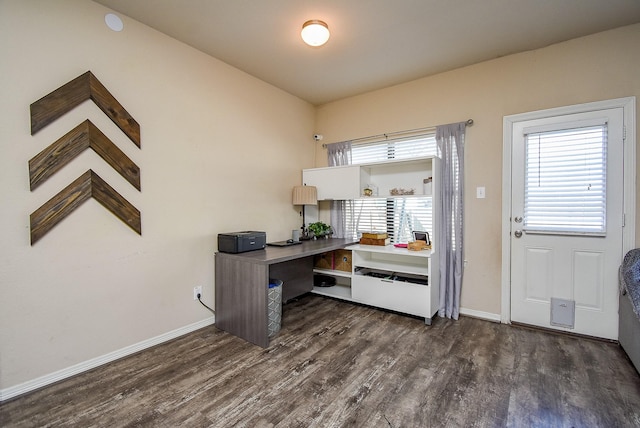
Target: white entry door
566,221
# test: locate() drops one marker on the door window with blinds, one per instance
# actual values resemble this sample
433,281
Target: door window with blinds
565,179
397,216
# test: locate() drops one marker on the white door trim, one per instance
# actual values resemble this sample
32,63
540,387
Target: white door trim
629,231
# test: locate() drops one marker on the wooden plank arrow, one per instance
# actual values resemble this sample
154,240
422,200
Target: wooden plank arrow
64,150
84,87
88,185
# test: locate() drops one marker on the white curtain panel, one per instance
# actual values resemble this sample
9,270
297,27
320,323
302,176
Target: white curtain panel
450,221
339,154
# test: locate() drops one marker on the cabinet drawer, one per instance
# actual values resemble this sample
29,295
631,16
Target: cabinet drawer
394,295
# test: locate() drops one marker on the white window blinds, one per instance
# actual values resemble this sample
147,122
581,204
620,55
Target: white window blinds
407,148
565,180
397,216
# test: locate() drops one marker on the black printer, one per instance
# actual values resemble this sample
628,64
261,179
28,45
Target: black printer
240,242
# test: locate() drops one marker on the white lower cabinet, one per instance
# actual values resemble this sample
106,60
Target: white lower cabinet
390,278
389,294
396,279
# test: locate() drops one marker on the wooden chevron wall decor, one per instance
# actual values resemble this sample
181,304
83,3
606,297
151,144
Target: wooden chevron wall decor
82,137
73,143
88,185
84,87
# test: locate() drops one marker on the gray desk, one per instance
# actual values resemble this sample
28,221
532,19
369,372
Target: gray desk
242,284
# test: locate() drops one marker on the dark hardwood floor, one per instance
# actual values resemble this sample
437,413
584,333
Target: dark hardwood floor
335,364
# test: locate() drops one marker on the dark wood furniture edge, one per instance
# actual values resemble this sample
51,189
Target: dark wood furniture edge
241,285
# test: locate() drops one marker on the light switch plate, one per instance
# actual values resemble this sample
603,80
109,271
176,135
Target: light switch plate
480,193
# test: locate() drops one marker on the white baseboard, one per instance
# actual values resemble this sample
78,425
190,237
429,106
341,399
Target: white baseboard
32,385
480,314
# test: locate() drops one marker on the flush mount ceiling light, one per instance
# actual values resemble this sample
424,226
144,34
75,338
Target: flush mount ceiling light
315,32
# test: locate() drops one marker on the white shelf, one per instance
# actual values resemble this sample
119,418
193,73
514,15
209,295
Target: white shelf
333,272
395,267
410,163
390,249
399,174
391,258
338,291
421,195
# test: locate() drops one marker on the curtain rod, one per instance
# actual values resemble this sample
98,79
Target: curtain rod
387,135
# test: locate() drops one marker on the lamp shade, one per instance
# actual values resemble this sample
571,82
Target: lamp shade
315,32
305,195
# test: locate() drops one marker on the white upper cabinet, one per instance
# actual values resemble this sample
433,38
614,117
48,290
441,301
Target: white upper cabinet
385,179
336,182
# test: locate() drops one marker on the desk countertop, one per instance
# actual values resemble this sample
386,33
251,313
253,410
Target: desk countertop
271,255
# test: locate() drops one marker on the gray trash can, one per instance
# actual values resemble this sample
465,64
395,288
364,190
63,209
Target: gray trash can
274,306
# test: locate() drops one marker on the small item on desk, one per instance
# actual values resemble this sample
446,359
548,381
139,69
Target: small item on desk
375,238
320,230
240,242
286,243
418,246
421,236
373,241
375,235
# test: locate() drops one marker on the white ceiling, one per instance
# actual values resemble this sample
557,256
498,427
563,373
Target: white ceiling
374,43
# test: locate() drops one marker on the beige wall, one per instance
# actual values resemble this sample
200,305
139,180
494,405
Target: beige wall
599,67
220,152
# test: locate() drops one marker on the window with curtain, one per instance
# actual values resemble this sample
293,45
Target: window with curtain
565,181
398,216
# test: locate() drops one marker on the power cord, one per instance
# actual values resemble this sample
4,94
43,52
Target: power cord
204,304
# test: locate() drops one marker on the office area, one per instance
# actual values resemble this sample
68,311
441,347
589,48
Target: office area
91,288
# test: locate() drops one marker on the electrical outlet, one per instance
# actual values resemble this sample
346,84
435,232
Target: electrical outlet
197,290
